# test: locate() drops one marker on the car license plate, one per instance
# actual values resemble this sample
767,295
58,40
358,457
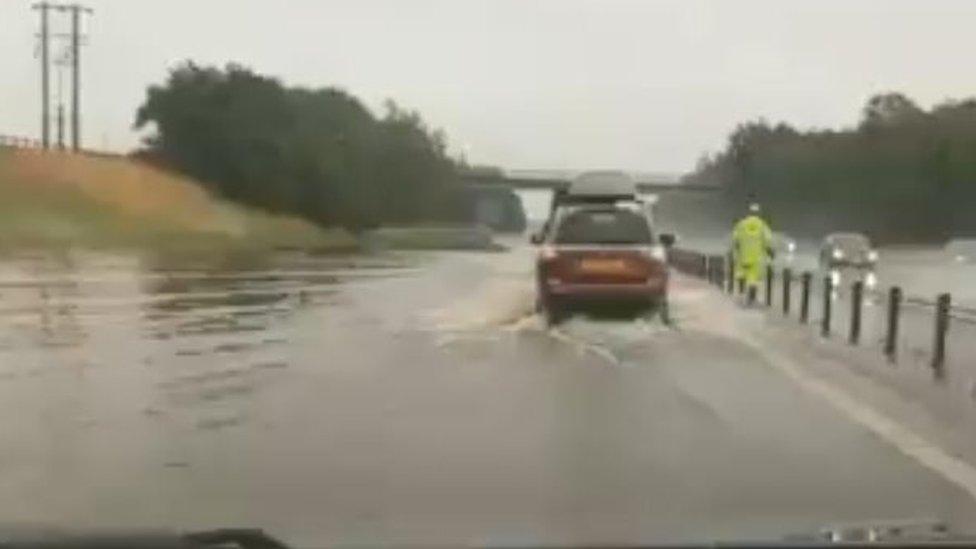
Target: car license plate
603,266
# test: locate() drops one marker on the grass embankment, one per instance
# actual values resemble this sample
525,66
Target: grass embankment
69,200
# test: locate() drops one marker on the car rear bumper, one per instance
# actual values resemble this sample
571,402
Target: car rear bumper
850,264
652,290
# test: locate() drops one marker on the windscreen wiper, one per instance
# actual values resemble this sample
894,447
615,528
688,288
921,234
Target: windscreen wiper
228,538
238,538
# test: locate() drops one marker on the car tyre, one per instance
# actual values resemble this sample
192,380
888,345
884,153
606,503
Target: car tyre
555,313
658,308
663,310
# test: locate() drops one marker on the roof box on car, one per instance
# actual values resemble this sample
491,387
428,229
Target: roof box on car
603,184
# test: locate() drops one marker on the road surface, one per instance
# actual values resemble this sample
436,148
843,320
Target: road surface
413,401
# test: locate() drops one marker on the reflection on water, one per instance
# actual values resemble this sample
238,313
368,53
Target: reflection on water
187,319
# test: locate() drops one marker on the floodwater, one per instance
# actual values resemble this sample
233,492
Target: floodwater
410,399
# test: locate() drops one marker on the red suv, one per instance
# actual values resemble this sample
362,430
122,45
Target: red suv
601,254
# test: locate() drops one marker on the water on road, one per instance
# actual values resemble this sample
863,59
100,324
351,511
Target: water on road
410,400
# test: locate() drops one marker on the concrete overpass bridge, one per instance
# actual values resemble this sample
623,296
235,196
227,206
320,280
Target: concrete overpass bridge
656,183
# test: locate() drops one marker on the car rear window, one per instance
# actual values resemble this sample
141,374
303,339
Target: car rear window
603,226
851,242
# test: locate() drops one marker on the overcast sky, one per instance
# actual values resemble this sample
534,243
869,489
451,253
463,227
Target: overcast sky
573,84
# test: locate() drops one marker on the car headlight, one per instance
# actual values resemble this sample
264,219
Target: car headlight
872,255
838,254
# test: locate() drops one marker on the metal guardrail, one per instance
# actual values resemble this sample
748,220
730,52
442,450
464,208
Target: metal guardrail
717,269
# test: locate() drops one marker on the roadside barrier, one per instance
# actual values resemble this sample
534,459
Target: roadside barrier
924,335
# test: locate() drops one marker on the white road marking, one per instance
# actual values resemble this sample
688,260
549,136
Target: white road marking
908,442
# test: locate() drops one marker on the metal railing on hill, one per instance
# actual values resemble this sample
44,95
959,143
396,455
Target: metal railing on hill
18,142
35,145
932,334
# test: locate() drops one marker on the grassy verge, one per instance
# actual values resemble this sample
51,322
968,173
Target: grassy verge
63,200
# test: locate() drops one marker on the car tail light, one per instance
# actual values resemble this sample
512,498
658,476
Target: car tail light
657,253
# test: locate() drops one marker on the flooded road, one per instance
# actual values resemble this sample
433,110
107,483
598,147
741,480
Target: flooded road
410,400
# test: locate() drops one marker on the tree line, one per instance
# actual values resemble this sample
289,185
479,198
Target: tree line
902,174
318,153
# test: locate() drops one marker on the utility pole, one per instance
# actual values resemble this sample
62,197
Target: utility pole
43,8
60,62
76,11
61,126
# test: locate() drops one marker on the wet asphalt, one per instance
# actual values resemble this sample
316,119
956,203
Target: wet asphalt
411,400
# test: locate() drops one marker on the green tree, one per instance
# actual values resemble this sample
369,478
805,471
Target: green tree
890,109
901,174
318,153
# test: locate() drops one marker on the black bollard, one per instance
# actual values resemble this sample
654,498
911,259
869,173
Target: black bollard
805,297
857,298
828,299
787,281
730,274
943,303
894,311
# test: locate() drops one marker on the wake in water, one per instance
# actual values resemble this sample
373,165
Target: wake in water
499,303
505,302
